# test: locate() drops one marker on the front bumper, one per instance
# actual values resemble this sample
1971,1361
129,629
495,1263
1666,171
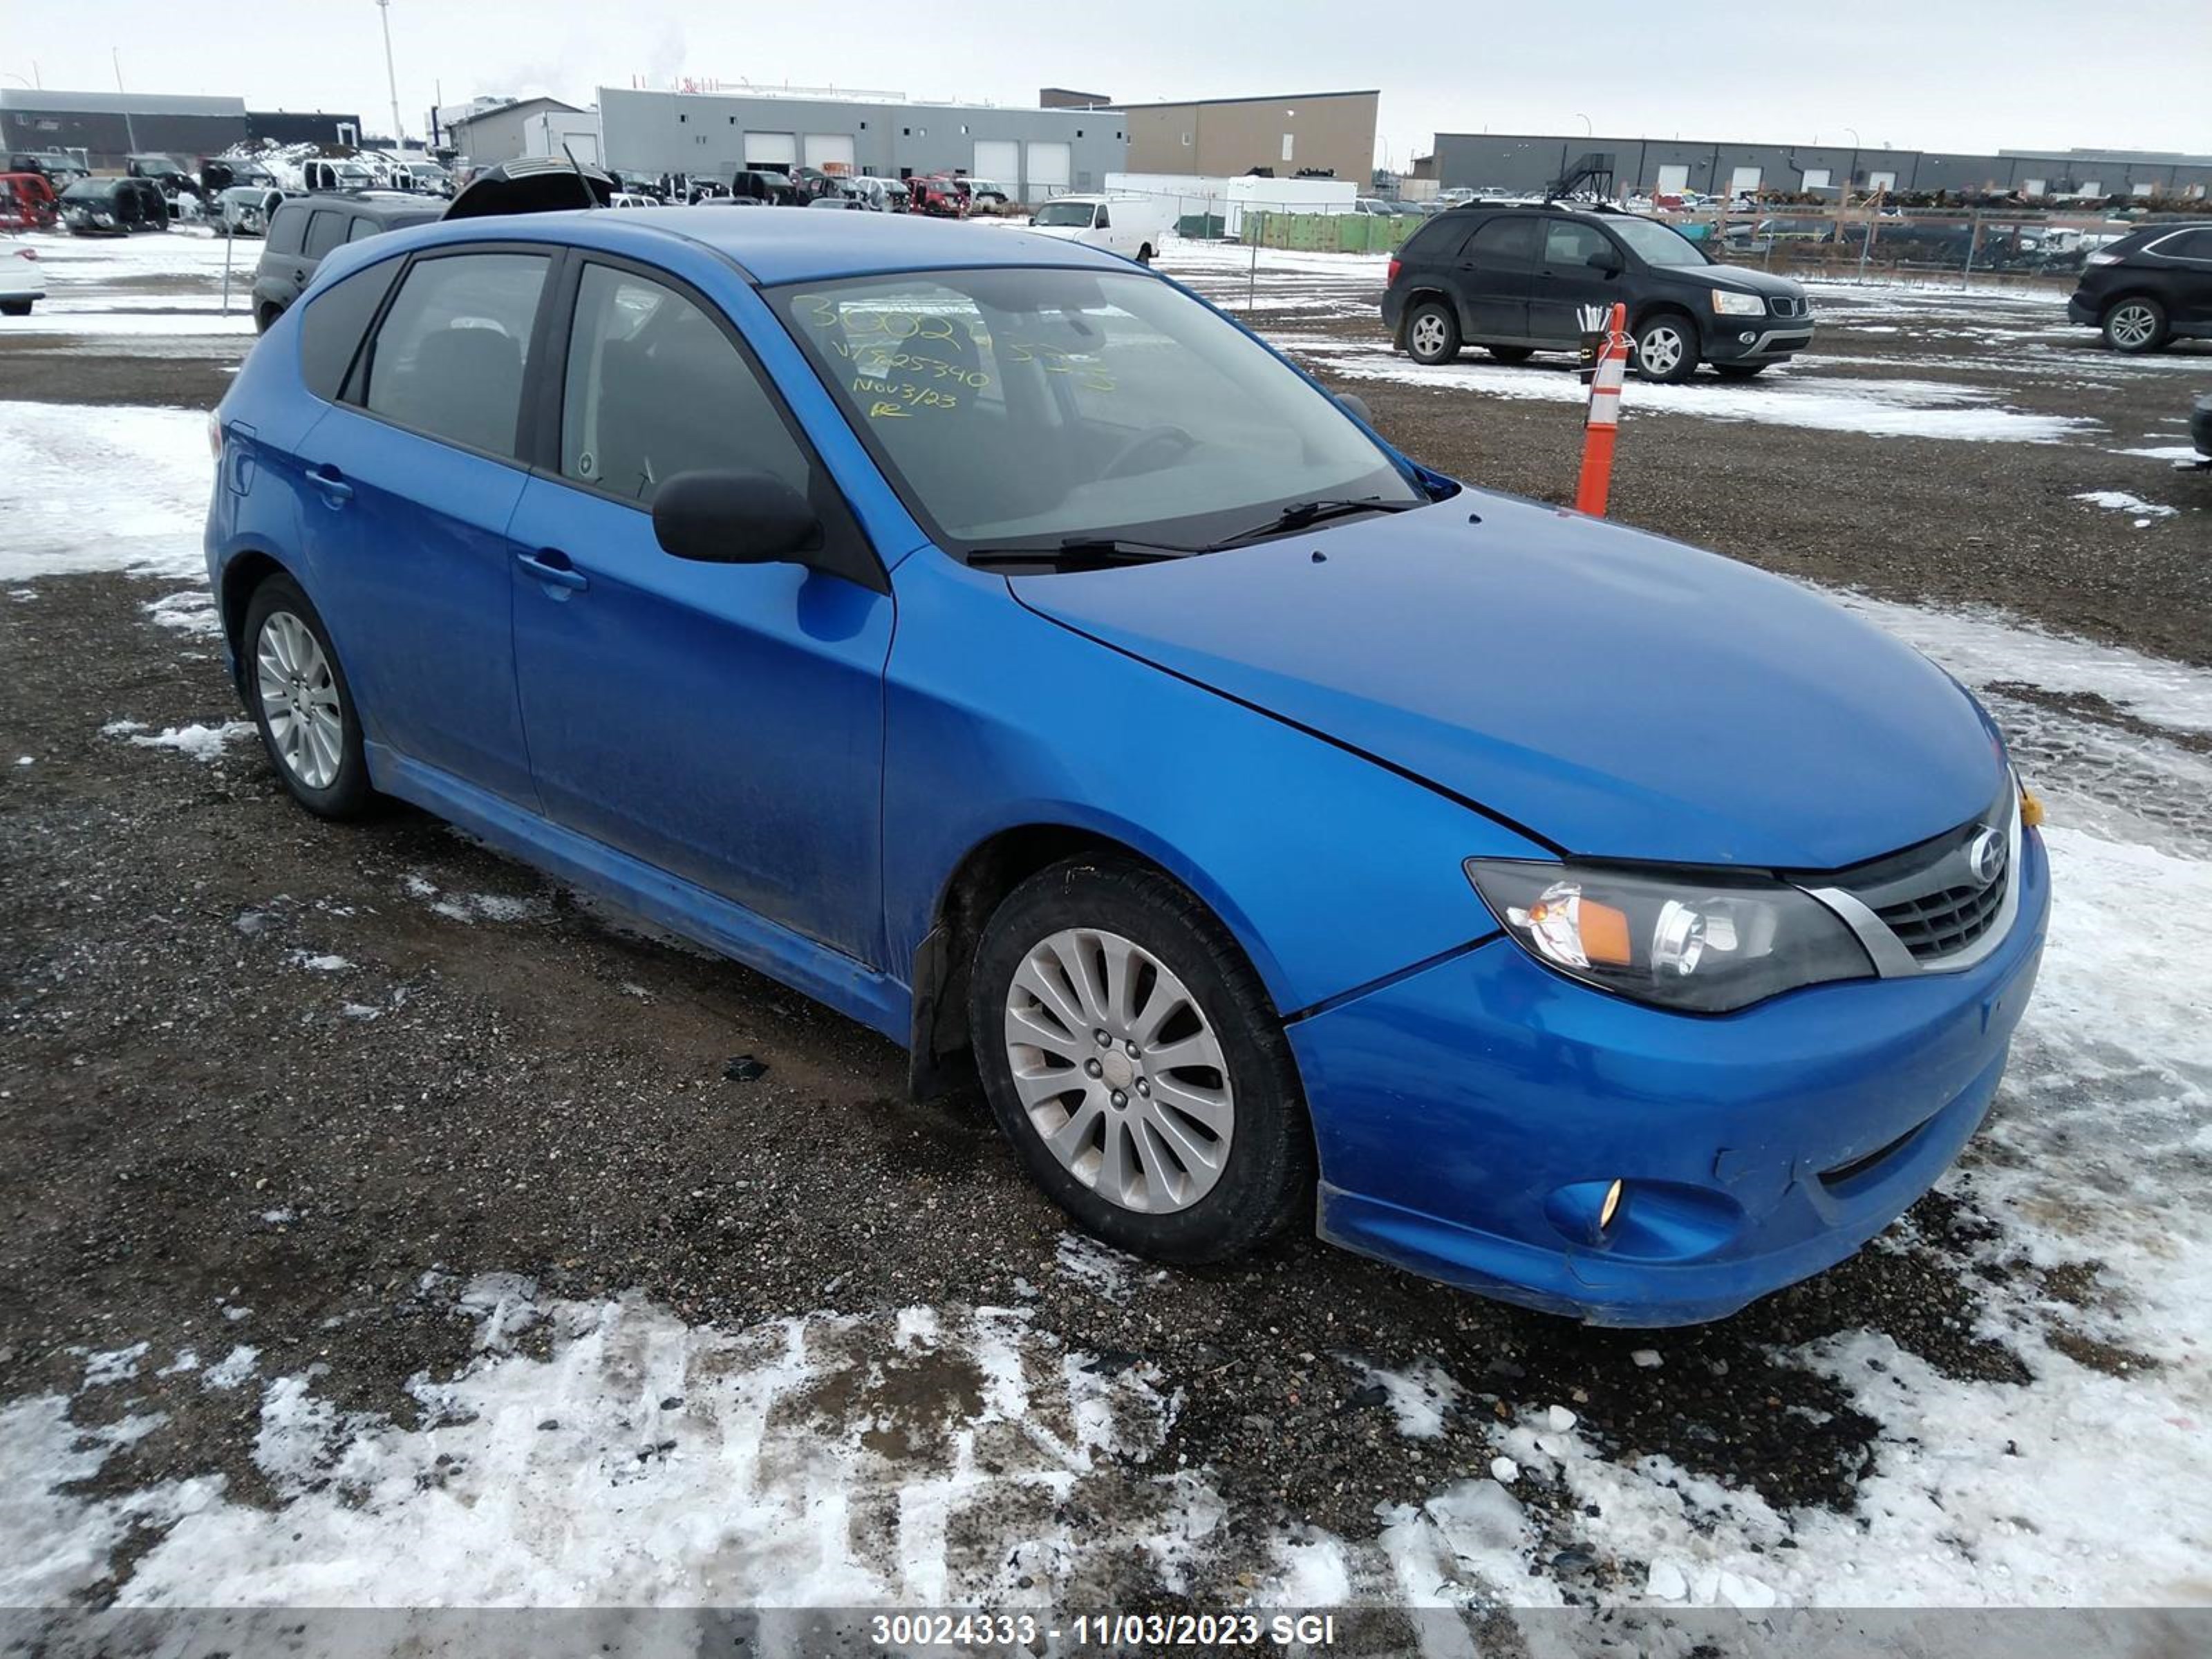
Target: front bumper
1767,339
2082,309
1470,1117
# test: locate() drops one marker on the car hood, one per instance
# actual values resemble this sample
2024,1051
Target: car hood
1744,280
1058,232
1619,695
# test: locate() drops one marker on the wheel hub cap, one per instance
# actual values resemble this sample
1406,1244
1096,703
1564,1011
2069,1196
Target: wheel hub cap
299,699
1119,1071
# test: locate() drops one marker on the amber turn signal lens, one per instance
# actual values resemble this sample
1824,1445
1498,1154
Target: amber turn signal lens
2030,808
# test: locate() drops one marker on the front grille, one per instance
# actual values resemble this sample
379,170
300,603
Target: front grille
1931,897
1936,924
1784,304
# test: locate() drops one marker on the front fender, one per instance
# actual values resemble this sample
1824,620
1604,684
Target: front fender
1330,871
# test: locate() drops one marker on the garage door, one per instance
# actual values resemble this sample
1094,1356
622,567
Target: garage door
830,151
1048,170
999,159
771,150
1673,181
1743,181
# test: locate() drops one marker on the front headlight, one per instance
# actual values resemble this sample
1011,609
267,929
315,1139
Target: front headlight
1730,304
1705,942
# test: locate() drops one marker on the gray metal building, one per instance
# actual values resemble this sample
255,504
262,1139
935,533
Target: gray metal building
110,127
498,134
1036,153
1528,162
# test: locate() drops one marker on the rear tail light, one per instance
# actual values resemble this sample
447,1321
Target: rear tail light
2104,258
1396,265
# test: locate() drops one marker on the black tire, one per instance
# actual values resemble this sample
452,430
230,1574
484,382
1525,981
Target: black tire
1267,1179
348,794
1511,354
1739,371
1431,332
16,308
1651,335
2136,323
1145,254
265,319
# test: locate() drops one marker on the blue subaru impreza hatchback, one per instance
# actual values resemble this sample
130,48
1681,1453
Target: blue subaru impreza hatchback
985,636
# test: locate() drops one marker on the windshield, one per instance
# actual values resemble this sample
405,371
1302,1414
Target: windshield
1017,408
89,190
1077,214
1657,244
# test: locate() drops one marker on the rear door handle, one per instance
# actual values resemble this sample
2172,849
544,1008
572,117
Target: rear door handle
551,565
336,490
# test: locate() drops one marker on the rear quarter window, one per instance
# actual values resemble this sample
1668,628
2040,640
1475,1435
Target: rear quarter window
288,229
336,319
1439,239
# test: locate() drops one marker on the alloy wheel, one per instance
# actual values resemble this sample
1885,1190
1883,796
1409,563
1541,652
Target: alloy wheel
1661,350
1428,335
300,699
1119,1071
2132,326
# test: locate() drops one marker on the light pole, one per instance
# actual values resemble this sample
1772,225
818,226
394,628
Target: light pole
391,80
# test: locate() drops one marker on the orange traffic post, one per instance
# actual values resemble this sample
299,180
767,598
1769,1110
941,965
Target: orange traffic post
1603,422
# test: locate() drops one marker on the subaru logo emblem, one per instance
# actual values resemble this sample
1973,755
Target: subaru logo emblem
1985,857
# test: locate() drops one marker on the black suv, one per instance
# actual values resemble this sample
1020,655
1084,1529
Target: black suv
1516,279
306,228
2147,287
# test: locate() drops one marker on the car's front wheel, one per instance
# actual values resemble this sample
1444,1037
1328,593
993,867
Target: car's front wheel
1667,349
1129,1052
2136,323
1431,332
16,308
299,698
1145,254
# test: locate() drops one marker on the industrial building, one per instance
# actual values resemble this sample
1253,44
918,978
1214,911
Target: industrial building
110,127
1036,153
281,126
1530,163
502,131
1328,135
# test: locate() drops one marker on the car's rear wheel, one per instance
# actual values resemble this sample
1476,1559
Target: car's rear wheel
1129,1052
1431,332
1511,354
1667,348
299,698
2135,324
1739,371
265,319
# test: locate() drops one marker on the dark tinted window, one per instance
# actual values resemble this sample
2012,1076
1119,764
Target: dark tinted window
286,231
1567,244
1439,239
655,387
2189,245
361,227
1507,242
334,323
326,230
448,359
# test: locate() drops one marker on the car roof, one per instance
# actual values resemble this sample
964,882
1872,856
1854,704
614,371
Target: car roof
384,204
773,245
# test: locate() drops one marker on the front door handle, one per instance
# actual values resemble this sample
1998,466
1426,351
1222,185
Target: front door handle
551,565
336,490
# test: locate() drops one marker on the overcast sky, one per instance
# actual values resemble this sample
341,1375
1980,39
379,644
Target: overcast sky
1946,75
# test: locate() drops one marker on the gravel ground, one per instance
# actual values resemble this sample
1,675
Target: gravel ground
270,1082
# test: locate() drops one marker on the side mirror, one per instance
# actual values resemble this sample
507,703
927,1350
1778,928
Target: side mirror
1356,405
734,518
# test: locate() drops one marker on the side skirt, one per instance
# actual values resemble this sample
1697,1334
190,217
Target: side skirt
830,977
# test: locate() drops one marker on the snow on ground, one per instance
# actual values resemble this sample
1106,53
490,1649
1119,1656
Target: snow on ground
2119,501
610,1452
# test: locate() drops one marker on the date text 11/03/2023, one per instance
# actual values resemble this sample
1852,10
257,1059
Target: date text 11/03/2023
1147,1631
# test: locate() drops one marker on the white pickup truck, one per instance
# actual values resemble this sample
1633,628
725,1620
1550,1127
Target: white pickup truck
1130,224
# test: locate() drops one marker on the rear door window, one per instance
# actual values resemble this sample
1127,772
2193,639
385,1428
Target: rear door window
1505,244
326,230
448,359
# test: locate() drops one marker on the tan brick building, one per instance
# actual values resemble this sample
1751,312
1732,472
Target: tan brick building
1329,132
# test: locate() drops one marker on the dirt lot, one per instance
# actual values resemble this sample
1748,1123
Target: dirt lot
303,1091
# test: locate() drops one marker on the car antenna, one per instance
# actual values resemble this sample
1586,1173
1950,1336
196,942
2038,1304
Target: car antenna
591,196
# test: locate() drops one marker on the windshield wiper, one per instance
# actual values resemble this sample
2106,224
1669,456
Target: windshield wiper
1298,515
1100,550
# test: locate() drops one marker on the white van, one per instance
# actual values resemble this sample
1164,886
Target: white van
1130,224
